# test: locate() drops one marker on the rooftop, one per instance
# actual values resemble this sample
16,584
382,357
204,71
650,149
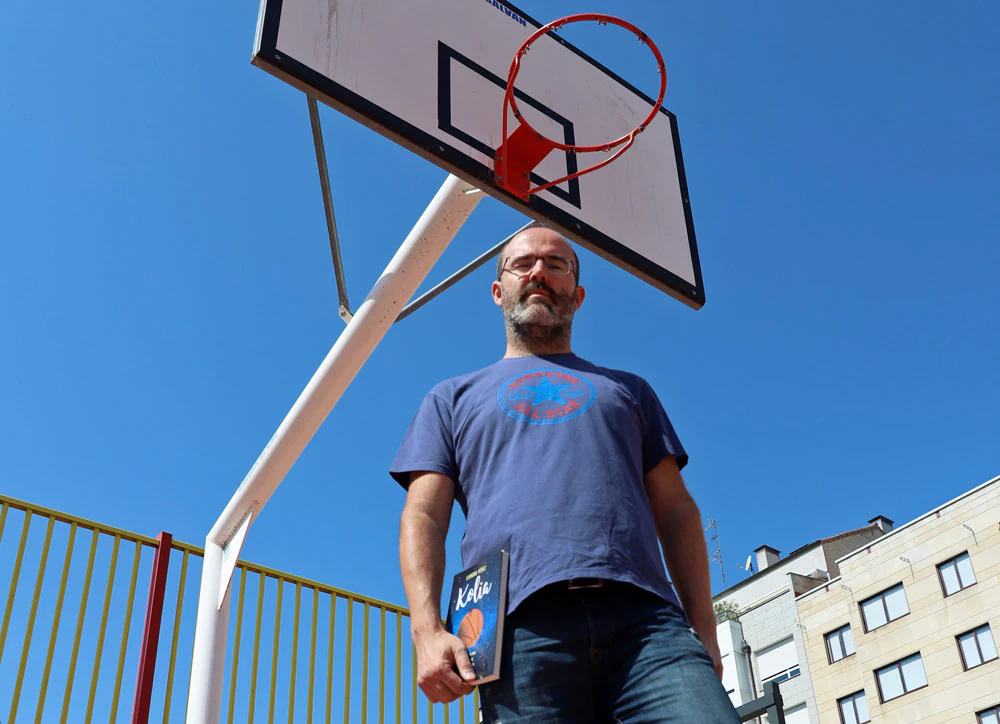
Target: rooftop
794,554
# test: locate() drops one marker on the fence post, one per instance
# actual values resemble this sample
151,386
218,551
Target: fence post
151,630
770,703
776,711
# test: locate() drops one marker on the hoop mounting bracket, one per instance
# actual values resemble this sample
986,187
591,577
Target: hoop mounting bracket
524,149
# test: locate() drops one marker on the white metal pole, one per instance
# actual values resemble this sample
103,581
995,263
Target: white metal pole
209,657
432,233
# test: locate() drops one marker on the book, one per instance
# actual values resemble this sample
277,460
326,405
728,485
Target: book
476,613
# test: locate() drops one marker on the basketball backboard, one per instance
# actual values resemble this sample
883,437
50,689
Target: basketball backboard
432,76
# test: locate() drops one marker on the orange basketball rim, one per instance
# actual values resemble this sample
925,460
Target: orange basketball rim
526,148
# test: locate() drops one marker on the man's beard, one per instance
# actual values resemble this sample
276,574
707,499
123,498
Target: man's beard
539,320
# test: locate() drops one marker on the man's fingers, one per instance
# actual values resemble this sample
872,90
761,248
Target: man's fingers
459,682
448,670
455,686
438,694
435,692
444,686
464,664
443,691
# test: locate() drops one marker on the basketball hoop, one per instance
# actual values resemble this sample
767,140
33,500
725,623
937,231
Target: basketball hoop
526,147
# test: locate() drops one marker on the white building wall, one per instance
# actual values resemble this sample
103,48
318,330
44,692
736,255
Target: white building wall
735,672
762,625
769,623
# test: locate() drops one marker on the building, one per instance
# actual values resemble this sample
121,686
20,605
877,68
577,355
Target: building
764,641
907,631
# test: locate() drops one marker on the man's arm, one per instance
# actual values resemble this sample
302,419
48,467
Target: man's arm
423,527
678,525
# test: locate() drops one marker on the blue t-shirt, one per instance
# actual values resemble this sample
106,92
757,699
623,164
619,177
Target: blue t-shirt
548,455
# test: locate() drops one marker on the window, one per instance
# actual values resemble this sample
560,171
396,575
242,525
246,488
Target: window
901,677
778,662
989,716
854,708
797,715
789,673
839,644
977,647
956,574
885,607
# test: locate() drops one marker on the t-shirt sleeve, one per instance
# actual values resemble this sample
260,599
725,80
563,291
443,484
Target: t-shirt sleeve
428,443
660,438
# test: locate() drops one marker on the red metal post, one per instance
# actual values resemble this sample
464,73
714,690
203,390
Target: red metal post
151,630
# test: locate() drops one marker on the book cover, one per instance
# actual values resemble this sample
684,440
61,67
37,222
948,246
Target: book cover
476,613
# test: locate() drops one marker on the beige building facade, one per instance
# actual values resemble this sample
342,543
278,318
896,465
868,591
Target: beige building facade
763,642
908,631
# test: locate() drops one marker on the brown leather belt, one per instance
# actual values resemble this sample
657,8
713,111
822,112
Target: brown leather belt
575,584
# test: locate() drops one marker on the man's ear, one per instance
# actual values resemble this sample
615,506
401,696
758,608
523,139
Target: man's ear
497,290
580,294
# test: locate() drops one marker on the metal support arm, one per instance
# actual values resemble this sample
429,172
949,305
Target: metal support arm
424,245
331,220
460,274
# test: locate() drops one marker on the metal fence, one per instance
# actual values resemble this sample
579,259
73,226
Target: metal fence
298,650
74,671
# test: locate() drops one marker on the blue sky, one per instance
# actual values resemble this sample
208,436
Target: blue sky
167,290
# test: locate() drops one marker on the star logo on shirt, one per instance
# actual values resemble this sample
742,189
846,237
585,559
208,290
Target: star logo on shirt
544,391
544,397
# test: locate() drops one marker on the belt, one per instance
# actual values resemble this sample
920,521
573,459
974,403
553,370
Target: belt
574,584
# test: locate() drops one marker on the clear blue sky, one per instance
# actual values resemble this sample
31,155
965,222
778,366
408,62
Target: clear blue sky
167,290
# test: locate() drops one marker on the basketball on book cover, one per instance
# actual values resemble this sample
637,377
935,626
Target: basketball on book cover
470,627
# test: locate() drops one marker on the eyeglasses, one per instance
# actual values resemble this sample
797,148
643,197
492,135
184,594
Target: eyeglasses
521,266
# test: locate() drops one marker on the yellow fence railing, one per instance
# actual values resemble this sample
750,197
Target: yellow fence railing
298,650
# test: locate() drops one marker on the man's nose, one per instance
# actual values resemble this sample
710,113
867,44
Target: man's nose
539,270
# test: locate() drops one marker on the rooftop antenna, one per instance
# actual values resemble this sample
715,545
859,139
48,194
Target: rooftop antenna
716,555
748,566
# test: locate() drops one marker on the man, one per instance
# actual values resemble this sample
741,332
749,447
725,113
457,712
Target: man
575,469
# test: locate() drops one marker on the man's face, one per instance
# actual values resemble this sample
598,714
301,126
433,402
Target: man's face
533,295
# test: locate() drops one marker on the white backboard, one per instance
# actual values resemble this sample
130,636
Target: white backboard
431,76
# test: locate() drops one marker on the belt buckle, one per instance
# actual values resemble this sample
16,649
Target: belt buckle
575,584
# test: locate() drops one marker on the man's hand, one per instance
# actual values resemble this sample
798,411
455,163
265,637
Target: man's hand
712,647
439,656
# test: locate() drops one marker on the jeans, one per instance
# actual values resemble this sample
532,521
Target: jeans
600,656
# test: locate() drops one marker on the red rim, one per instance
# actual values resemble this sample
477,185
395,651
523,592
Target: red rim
628,139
